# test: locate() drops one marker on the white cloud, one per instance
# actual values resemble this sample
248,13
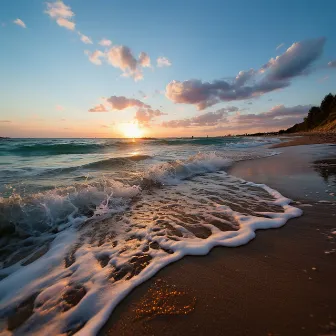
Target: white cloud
163,62
61,13
105,42
20,23
59,9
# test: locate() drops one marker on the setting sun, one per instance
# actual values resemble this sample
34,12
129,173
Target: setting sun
131,130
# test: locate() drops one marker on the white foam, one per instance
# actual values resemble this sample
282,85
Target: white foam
49,278
175,171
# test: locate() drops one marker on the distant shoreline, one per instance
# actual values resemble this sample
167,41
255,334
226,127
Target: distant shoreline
307,139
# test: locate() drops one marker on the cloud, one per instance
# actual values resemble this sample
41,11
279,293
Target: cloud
99,108
163,62
206,119
121,57
105,42
144,60
274,75
118,103
66,23
280,111
95,57
279,46
205,94
296,60
332,64
145,115
276,118
121,103
20,23
61,13
85,39
243,77
104,126
5,121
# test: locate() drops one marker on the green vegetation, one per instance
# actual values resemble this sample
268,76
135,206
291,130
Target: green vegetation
319,118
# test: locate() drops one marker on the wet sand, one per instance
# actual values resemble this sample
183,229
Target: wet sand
281,283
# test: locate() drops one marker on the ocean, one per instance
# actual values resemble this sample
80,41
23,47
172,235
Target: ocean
84,221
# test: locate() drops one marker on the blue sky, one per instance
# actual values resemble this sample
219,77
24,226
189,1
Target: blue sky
48,83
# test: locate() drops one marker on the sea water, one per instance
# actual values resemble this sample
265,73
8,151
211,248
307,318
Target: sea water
84,221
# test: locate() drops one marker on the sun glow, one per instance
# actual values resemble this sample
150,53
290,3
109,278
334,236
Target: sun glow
131,130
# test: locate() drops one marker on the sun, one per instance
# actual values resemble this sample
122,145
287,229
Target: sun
131,130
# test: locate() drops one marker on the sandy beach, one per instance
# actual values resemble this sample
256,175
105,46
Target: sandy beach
281,283
307,139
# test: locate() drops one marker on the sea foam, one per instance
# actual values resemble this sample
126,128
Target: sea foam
103,258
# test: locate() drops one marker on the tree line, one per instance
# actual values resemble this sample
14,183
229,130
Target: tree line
317,116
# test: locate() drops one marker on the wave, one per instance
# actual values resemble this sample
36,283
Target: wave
60,207
48,210
175,171
43,149
108,163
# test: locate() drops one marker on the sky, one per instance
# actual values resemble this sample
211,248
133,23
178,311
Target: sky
108,68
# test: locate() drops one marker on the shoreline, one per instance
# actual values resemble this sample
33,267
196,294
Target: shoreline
260,288
306,139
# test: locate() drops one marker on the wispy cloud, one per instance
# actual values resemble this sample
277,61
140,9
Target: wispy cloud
206,119
99,108
5,121
20,23
274,75
105,42
279,46
85,39
163,62
276,118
